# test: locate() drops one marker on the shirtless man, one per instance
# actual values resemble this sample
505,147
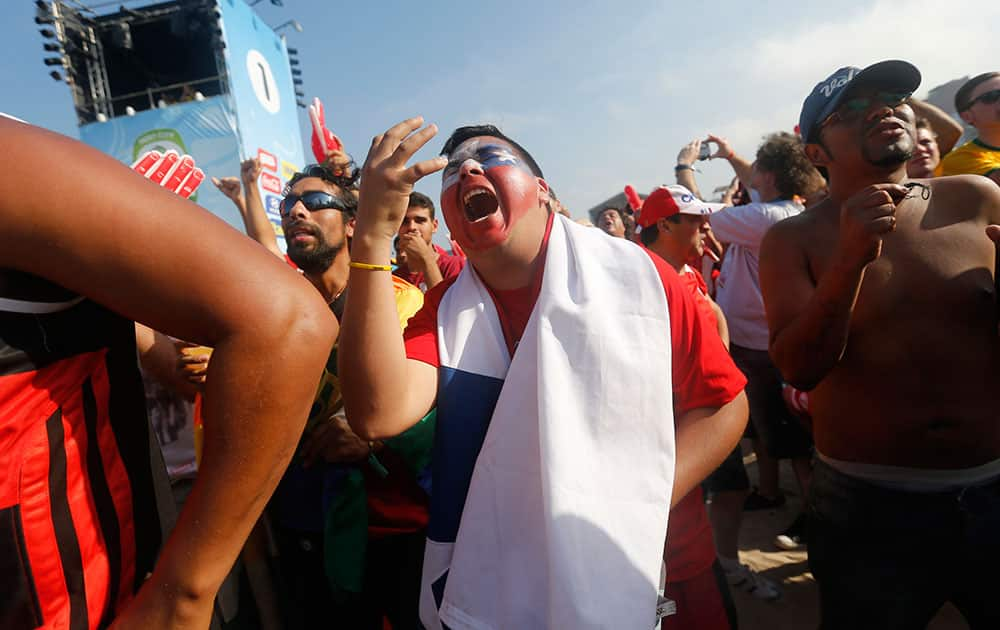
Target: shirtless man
881,301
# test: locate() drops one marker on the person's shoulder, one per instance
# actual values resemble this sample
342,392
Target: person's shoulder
965,188
449,264
695,281
769,211
661,265
409,299
781,209
969,145
436,293
669,277
968,157
966,181
798,228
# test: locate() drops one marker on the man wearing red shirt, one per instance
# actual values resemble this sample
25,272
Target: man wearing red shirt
422,263
495,202
673,224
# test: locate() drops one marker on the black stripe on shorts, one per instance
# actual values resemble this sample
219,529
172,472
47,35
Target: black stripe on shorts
107,516
62,521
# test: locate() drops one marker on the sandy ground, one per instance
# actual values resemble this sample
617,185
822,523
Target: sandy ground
799,607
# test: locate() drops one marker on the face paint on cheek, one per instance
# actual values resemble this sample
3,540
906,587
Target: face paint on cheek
510,179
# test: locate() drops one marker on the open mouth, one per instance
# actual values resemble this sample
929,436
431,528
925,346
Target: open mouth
299,230
886,127
479,203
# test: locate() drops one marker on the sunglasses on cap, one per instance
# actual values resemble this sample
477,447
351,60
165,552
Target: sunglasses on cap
313,200
852,109
987,98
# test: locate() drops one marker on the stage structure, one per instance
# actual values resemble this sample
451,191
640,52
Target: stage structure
204,77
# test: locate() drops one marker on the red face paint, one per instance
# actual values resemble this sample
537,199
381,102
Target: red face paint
486,189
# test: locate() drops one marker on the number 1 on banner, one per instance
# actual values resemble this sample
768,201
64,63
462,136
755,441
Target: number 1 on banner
177,173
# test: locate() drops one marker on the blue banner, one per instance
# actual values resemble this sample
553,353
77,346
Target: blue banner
263,96
206,130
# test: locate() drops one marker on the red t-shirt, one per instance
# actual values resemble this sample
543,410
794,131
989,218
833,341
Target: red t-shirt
703,373
690,546
696,284
449,265
703,376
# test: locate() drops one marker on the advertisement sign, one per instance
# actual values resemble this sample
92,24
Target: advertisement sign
206,130
263,97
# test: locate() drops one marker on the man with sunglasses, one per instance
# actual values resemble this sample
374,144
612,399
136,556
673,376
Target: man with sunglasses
978,103
349,514
882,305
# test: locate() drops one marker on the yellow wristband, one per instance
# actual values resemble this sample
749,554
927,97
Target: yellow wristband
361,265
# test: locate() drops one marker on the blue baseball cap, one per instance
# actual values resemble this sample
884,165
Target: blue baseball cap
827,96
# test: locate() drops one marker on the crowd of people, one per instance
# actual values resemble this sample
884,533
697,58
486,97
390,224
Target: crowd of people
538,427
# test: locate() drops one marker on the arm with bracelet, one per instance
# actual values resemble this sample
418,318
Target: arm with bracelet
385,393
684,170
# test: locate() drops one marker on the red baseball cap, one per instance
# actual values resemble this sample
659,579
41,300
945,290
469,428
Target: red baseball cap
666,201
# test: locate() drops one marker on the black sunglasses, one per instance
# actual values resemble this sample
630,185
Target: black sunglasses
313,200
988,98
851,110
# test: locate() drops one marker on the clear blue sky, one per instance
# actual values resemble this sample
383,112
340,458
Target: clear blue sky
603,94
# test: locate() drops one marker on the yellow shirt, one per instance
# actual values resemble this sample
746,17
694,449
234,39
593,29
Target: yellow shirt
973,158
328,399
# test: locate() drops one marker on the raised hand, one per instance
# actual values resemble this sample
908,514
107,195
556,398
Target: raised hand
192,362
324,142
249,172
865,218
418,254
230,187
386,180
725,149
171,170
340,163
688,154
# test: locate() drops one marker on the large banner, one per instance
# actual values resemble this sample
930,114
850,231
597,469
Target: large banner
263,96
206,130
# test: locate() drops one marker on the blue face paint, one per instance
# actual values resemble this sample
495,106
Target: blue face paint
485,156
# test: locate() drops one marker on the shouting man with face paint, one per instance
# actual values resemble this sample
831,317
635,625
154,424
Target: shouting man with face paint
881,304
551,483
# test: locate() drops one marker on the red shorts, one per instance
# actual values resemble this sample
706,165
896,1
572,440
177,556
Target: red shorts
703,602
